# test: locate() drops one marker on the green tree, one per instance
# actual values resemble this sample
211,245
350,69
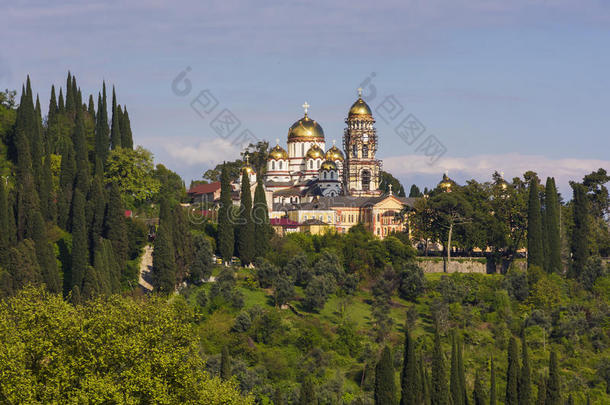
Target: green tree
132,171
225,364
115,128
114,226
512,374
201,267
283,290
66,186
410,388
164,267
535,253
541,399
307,395
581,233
245,234
454,377
525,381
414,192
225,241
81,154
102,131
492,385
438,387
553,387
478,395
126,135
385,390
260,216
552,226
80,250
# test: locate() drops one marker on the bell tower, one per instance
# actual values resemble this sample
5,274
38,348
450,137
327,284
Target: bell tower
361,172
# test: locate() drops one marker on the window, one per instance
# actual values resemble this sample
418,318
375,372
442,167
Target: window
281,164
317,164
366,180
302,149
365,151
355,151
324,175
311,164
273,165
377,217
332,175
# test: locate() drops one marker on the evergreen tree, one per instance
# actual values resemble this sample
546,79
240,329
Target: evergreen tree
4,221
91,108
115,228
414,192
535,254
245,235
225,364
164,266
225,241
102,131
70,95
92,285
553,389
512,374
438,387
260,216
52,123
60,103
126,135
525,383
36,144
541,399
580,233
552,226
115,129
96,209
307,395
80,250
67,176
182,240
454,379
410,392
81,154
385,391
461,371
201,267
45,255
492,385
47,196
478,395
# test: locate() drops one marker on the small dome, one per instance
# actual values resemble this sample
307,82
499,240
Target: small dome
315,152
328,165
305,129
446,183
334,154
278,153
248,169
360,107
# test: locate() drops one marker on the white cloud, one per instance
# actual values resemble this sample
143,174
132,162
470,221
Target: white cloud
208,153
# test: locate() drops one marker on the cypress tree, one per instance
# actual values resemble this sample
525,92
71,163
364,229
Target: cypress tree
107,269
410,393
225,364
4,220
245,235
525,383
37,145
102,131
81,154
60,102
307,395
535,254
91,108
438,387
45,255
260,215
225,224
70,95
47,197
478,394
96,209
80,250
67,176
115,130
182,240
541,399
461,372
580,234
552,226
454,379
115,228
164,266
385,391
512,374
492,385
553,389
52,123
126,135
92,285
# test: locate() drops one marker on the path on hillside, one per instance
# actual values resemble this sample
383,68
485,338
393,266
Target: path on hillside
145,279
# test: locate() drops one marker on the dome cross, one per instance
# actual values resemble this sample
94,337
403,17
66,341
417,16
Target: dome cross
305,107
359,91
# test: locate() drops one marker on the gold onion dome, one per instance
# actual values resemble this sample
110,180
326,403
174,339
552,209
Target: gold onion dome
360,107
247,169
278,153
315,152
334,153
328,165
305,129
446,183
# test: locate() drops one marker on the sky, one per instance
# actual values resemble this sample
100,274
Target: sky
483,85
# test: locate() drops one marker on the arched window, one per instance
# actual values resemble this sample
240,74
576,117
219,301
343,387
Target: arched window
302,149
273,165
366,180
324,175
332,175
365,151
317,164
311,164
281,165
355,151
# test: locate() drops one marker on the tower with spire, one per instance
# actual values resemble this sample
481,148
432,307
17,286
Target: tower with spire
361,173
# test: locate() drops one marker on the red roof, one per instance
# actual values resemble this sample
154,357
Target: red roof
205,188
283,222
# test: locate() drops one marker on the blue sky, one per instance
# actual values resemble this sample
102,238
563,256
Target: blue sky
507,86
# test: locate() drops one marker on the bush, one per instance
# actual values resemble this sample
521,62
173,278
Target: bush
412,282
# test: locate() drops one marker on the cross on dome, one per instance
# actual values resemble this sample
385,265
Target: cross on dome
359,91
390,187
305,107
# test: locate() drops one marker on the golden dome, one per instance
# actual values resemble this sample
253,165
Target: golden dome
248,169
334,153
315,152
360,107
328,165
278,153
305,129
446,183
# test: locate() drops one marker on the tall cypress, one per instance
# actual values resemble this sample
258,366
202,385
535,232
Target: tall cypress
492,385
245,235
535,253
438,387
260,216
553,388
102,130
96,209
47,196
478,395
461,372
541,399
37,145
114,226
67,176
454,379
385,390
225,223
164,267
126,135
80,250
580,234
81,154
4,220
525,381
410,392
512,374
70,95
225,364
91,108
52,123
115,129
552,226
61,108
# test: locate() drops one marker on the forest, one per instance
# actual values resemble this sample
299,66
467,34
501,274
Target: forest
301,319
